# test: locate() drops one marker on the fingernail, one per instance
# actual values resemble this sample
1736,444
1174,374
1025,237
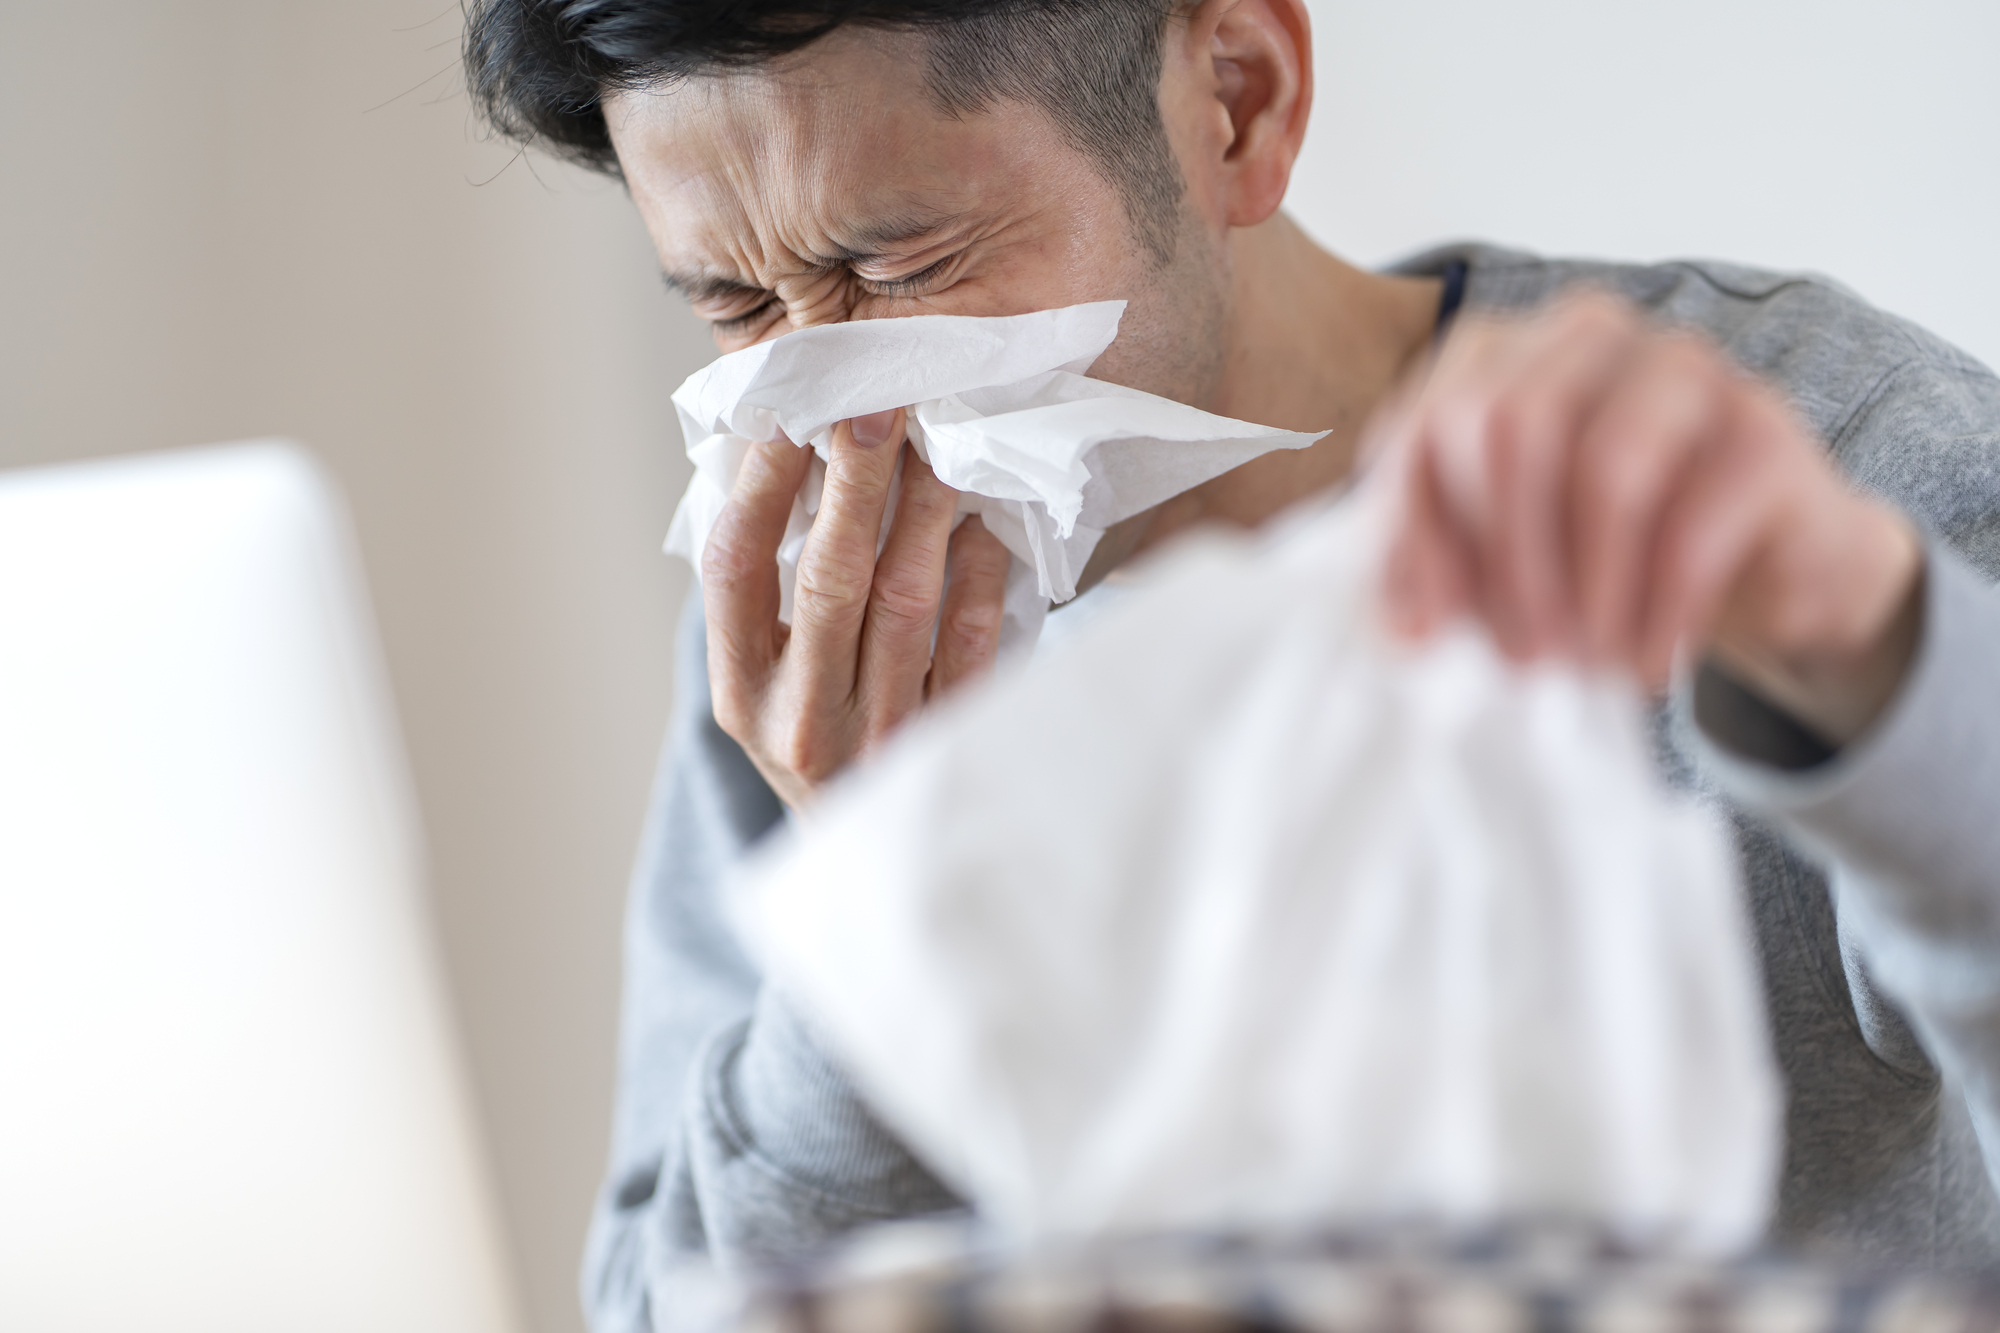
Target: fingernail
874,428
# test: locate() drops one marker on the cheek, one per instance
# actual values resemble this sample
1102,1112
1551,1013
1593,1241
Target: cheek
1170,342
736,342
1087,249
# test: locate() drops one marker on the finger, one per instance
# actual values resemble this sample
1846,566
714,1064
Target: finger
1386,433
968,636
1665,410
1721,516
1449,419
1569,361
903,601
837,566
739,575
1462,427
1394,433
1428,573
1396,461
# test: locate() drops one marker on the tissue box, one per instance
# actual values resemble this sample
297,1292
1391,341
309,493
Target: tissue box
1526,1279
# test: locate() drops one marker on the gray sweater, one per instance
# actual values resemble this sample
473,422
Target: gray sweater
1873,874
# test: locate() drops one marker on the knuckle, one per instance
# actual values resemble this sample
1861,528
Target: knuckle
729,560
1620,491
1765,411
1461,415
1683,358
1472,335
918,473
735,722
765,466
900,606
973,623
988,564
1597,313
977,557
850,466
1518,424
927,499
980,543
732,710
770,477
807,751
830,583
1467,424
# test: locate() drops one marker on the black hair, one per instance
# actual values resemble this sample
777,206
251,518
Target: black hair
538,69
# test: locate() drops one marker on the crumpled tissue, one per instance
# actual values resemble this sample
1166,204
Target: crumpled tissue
1235,911
1001,410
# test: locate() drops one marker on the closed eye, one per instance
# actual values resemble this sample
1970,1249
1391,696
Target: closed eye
742,323
911,284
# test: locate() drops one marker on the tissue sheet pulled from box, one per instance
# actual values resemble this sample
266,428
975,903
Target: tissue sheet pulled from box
1235,912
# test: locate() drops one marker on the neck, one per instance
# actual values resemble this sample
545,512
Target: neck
1315,343
1312,343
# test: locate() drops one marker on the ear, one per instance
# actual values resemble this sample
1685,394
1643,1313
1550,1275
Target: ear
1253,58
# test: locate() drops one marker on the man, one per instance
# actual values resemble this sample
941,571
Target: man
1796,496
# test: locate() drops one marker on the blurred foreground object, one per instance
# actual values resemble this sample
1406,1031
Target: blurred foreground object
1238,914
1518,1280
233,1096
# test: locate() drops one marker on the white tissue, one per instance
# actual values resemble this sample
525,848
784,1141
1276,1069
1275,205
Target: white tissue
1234,912
1000,409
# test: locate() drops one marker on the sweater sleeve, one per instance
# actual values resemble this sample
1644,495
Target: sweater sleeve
1907,817
734,1140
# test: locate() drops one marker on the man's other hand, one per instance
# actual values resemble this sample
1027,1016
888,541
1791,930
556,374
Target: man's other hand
1589,484
805,699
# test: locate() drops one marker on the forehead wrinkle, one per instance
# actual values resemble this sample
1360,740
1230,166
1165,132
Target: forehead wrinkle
783,176
778,184
805,171
808,222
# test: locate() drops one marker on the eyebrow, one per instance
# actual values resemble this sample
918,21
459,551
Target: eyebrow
873,240
706,286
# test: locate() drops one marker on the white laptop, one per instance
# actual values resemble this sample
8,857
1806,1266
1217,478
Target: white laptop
231,1095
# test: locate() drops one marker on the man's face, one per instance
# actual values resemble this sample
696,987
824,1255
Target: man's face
829,187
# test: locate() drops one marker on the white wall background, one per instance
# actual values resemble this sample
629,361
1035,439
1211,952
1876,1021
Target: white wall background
1860,138
219,219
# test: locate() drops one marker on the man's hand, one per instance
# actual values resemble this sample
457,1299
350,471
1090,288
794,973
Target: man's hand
803,700
1591,485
